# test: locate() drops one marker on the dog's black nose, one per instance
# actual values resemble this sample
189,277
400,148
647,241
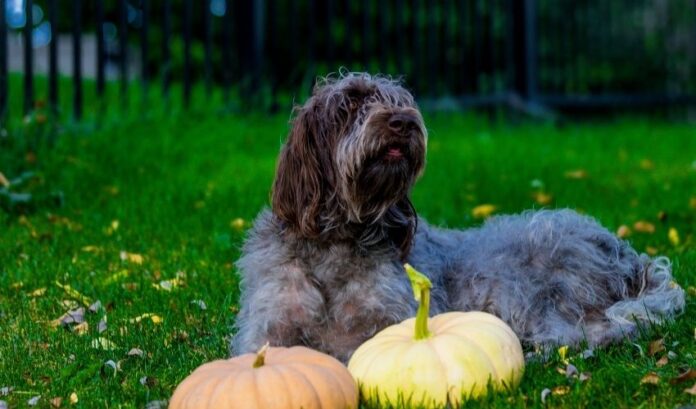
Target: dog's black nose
403,123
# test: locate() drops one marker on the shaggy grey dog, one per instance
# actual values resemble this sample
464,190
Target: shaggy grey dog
324,267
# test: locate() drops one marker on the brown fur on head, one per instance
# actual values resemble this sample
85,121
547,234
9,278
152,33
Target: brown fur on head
354,150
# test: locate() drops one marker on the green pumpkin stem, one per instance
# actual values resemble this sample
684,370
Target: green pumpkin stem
261,356
421,291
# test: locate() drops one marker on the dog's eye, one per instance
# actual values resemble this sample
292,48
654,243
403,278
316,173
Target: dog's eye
352,104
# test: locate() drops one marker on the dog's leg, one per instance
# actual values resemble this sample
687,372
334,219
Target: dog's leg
557,276
281,307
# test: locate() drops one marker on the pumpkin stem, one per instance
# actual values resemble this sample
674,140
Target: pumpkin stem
261,356
421,292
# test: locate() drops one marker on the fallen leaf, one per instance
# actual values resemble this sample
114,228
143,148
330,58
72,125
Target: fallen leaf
95,307
651,250
560,390
238,223
156,319
684,376
662,361
112,228
113,365
647,164
576,174
673,236
136,352
542,198
546,392
81,329
101,326
651,378
643,226
104,344
571,371
562,352
671,355
691,290
148,381
57,402
73,398
131,257
76,316
73,293
691,391
623,231
92,249
39,292
588,353
3,181
5,390
483,211
584,376
656,346
692,202
200,304
168,285
116,277
33,401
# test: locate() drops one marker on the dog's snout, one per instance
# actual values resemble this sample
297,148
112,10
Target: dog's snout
402,123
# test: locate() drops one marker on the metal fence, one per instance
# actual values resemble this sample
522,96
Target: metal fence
555,53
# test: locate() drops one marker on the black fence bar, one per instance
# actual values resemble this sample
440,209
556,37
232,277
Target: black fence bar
166,48
77,59
188,22
227,23
144,43
101,60
208,47
28,57
53,57
123,49
4,91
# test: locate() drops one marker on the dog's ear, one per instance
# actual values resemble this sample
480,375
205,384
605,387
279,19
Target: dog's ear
299,183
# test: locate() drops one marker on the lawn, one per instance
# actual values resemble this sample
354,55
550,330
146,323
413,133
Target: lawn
154,212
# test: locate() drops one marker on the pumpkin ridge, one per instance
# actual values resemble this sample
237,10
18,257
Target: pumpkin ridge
306,381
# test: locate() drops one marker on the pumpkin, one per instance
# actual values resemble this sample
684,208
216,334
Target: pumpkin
273,378
430,362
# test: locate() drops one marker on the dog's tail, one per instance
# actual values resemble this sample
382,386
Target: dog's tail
659,297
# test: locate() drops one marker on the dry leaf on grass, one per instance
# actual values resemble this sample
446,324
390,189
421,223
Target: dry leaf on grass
647,164
651,250
92,249
73,398
691,390
76,316
200,304
546,392
673,236
34,401
584,376
131,257
560,390
101,326
656,346
688,375
136,352
623,231
39,292
576,174
542,198
562,353
73,293
643,226
651,378
57,402
662,361
103,344
483,211
238,224
156,319
3,181
81,329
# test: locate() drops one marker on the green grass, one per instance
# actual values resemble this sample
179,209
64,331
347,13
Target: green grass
174,184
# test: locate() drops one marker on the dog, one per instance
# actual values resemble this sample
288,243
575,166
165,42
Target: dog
324,266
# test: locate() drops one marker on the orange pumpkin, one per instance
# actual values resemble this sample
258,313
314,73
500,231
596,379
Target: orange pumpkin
273,378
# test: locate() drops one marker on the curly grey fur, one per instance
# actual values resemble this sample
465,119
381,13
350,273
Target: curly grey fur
553,276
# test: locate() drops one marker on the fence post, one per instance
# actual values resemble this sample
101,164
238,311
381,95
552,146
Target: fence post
3,64
524,28
28,58
77,60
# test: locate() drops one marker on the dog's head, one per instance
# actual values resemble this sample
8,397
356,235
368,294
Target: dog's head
355,149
